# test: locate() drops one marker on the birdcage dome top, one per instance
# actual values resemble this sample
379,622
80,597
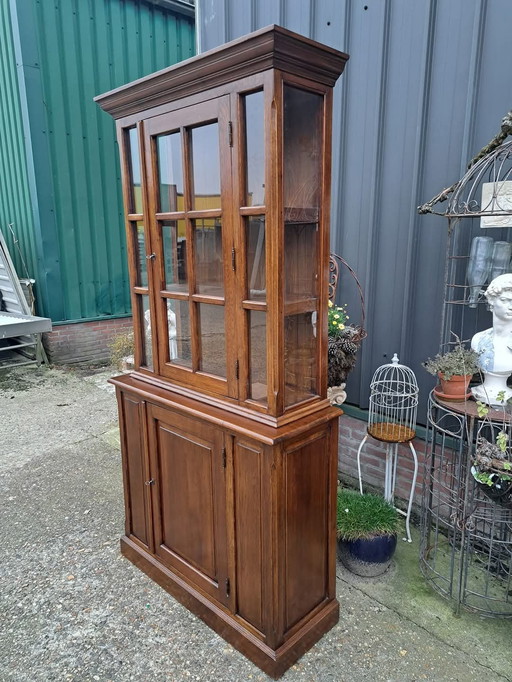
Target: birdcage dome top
394,378
482,190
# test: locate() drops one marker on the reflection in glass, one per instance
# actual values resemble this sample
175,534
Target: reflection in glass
208,256
258,355
300,358
205,167
174,241
479,267
300,261
255,249
140,254
170,172
147,348
178,329
501,254
302,154
213,339
255,149
136,198
141,277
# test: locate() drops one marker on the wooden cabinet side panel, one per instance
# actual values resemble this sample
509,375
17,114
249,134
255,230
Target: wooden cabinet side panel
248,501
135,473
307,526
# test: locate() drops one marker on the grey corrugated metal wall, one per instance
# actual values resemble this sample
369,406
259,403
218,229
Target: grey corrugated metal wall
426,86
67,52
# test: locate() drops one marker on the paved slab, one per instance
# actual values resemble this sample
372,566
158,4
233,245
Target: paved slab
73,609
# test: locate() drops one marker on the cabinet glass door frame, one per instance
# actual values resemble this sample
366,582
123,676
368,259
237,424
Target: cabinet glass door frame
188,218
318,303
130,133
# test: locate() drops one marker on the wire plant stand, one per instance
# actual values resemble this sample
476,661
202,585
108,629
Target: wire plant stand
466,538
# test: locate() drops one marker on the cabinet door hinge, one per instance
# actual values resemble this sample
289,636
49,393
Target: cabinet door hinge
224,457
230,133
233,259
228,587
237,369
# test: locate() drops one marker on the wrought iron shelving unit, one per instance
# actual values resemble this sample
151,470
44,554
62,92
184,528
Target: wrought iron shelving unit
466,538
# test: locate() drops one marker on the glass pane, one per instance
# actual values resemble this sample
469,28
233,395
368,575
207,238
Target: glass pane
255,249
141,277
209,265
258,357
303,118
300,357
146,326
255,149
174,241
136,198
212,335
206,167
170,172
300,261
178,326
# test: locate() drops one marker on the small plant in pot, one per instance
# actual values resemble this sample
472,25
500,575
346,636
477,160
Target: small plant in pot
492,460
367,529
454,370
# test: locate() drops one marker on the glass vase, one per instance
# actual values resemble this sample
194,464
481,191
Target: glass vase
479,267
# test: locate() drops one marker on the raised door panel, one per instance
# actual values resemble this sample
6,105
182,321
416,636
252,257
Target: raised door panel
251,545
307,525
189,499
135,469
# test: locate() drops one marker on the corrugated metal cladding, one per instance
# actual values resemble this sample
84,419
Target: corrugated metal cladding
70,51
14,185
426,86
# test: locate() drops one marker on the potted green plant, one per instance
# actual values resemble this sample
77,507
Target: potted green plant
491,464
367,527
454,370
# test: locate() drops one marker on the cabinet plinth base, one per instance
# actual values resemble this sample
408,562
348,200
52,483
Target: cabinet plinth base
273,662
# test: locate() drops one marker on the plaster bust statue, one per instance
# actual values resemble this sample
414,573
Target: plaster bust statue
495,344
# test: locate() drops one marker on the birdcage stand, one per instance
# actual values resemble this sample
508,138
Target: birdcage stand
390,478
392,420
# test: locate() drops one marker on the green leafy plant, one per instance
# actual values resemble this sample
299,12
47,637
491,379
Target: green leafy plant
492,467
459,361
364,516
337,319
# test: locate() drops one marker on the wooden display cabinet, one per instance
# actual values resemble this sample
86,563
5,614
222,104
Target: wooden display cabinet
229,444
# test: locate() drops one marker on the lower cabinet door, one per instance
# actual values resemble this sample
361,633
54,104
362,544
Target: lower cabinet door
189,499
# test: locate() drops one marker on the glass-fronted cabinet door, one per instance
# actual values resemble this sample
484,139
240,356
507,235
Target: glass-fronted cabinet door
304,243
252,247
188,158
137,245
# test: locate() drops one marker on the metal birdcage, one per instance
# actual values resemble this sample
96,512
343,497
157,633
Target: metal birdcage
392,420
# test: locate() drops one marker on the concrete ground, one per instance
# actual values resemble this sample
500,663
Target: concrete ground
71,608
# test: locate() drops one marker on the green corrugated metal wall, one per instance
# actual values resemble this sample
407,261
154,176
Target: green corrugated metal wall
15,205
83,48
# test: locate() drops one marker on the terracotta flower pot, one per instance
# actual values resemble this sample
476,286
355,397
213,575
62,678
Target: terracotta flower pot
455,388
